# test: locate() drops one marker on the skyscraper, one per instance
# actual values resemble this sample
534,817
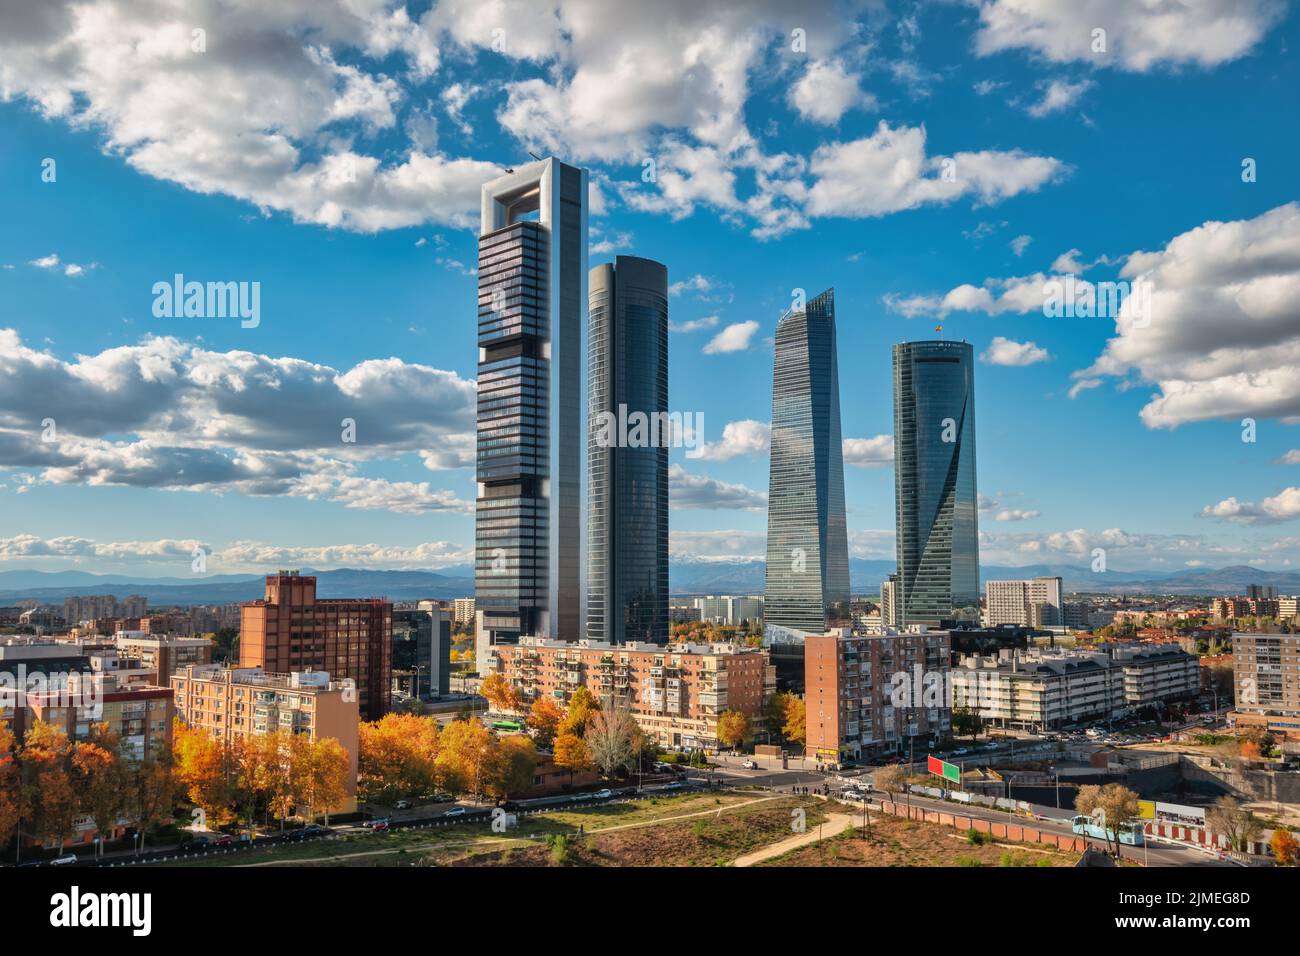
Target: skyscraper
934,482
807,539
627,481
532,269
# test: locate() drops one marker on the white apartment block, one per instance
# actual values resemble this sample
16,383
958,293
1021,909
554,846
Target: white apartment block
1035,602
728,609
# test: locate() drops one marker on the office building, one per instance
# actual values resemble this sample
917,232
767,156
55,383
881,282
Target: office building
230,703
870,695
164,654
1266,675
1035,602
675,693
934,481
807,584
291,630
422,650
532,273
629,433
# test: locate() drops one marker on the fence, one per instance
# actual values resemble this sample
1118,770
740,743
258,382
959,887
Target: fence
998,829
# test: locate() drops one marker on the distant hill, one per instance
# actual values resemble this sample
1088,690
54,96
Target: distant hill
685,577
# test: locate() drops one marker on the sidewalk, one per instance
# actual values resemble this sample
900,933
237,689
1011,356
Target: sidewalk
835,823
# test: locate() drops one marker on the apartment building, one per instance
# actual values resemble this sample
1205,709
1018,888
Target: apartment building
729,609
138,713
1035,602
868,695
675,692
165,654
1288,607
1266,675
1227,608
292,630
230,703
463,611
1040,689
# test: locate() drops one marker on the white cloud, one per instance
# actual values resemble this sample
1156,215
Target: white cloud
694,325
1016,514
745,437
727,545
1292,457
1020,244
877,452
827,90
1221,337
1139,36
1058,95
163,414
687,490
1284,506
1083,385
734,338
889,171
1004,351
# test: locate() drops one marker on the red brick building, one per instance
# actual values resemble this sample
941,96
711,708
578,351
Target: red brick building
350,638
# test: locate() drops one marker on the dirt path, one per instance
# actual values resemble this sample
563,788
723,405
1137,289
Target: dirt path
339,857
835,823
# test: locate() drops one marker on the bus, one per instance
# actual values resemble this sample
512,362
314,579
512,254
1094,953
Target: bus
507,726
1130,834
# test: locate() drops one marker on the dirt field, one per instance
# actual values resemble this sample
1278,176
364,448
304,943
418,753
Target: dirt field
895,842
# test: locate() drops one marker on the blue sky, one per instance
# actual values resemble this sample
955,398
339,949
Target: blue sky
333,155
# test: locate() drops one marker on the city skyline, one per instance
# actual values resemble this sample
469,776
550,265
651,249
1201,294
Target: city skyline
177,433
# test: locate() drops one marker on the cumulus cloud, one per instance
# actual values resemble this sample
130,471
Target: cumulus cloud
745,437
734,338
1015,514
1004,351
1020,244
1283,506
1221,336
877,452
687,490
1058,95
694,325
163,414
827,90
1138,36
889,171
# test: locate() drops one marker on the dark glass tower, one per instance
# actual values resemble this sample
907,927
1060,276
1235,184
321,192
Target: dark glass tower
807,538
934,482
627,486
532,268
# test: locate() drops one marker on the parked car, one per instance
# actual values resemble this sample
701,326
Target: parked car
379,823
456,812
224,839
195,840
750,765
402,805
602,794
64,860
675,785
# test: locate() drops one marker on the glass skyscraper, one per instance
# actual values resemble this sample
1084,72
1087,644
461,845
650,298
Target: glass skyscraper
807,538
934,482
532,269
627,479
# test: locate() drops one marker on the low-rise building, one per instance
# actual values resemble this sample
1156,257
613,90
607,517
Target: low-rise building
164,653
675,692
867,695
229,703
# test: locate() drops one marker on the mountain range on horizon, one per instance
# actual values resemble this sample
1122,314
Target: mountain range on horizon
685,577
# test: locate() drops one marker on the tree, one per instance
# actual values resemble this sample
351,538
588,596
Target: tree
733,728
463,756
966,720
1228,817
612,740
582,707
890,780
1112,805
323,777
544,718
571,753
150,794
1285,847
48,797
10,791
499,693
99,780
397,758
512,761
795,727
204,772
